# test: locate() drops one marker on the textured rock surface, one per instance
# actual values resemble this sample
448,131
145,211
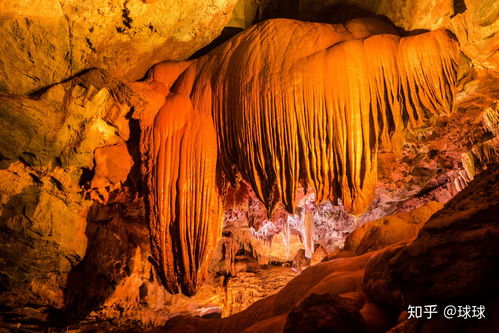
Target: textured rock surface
474,22
73,236
47,149
45,42
248,287
259,109
390,229
338,277
454,255
426,271
452,261
115,284
326,312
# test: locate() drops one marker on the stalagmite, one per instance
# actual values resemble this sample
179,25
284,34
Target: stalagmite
308,233
283,103
287,236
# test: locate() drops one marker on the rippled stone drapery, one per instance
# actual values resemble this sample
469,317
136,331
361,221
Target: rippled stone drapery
283,103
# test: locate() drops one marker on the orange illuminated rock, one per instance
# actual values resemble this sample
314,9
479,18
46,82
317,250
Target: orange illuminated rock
391,229
282,104
185,215
112,166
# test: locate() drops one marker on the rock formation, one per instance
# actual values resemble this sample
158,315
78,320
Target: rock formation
375,235
364,284
473,22
46,42
283,103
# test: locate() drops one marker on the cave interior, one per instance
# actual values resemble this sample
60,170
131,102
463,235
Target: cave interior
249,166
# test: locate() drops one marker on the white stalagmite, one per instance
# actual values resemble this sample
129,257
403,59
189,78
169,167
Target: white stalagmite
308,233
286,232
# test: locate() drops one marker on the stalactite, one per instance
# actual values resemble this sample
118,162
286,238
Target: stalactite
316,115
290,102
491,119
185,214
477,159
457,180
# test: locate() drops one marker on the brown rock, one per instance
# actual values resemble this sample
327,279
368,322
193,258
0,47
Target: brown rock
453,258
112,166
47,145
325,313
318,256
248,287
85,113
477,30
337,277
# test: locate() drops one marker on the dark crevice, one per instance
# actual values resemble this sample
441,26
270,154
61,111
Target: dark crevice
35,178
133,146
57,183
459,7
29,159
90,44
86,176
127,20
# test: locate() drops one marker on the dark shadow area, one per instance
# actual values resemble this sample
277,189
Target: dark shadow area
412,32
113,237
326,313
14,258
336,13
134,179
86,177
459,7
25,256
114,232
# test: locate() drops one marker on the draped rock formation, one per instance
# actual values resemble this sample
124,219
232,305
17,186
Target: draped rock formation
283,104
